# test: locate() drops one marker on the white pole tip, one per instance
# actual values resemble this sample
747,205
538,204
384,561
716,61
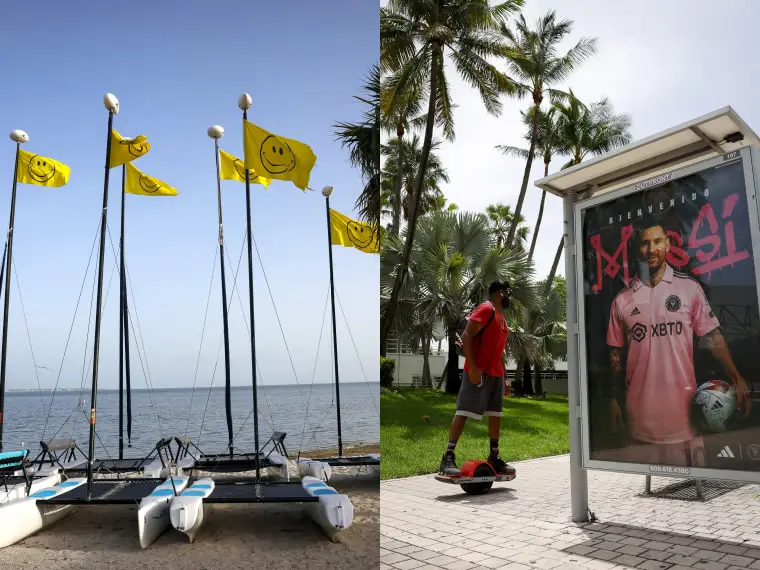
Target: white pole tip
326,191
245,101
111,103
216,132
19,136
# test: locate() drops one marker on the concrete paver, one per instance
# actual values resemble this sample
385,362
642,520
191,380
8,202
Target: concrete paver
525,524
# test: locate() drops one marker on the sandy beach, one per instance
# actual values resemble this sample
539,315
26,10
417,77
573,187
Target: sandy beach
235,536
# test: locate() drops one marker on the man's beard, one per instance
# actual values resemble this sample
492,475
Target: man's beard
646,272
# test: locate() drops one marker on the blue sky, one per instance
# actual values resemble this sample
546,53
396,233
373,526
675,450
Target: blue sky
178,68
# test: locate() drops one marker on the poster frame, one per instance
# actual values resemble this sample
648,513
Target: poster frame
750,157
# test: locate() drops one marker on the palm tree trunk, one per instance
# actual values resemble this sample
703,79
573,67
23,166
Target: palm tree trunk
443,376
527,380
427,381
540,217
553,272
399,180
390,309
453,381
539,381
526,174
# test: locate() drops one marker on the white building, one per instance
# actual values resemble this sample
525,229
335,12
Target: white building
408,370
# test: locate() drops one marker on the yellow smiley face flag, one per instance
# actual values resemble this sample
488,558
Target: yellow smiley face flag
350,233
276,157
125,150
232,168
40,170
143,185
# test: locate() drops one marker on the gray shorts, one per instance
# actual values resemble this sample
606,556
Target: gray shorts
478,401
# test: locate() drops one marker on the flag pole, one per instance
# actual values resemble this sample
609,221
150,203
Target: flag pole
121,321
216,132
19,137
326,191
244,102
112,104
124,369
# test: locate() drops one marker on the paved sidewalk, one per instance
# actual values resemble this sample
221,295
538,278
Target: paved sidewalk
526,524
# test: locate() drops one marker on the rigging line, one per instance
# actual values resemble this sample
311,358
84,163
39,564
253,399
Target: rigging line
366,380
92,302
203,332
248,329
219,350
71,329
28,334
271,417
314,372
145,367
277,314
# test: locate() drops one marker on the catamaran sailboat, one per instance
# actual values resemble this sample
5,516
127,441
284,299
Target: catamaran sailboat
188,511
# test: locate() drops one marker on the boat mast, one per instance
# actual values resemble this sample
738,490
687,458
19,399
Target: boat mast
112,104
18,137
326,191
244,102
216,132
124,332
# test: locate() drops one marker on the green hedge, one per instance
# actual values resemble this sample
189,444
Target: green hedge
387,368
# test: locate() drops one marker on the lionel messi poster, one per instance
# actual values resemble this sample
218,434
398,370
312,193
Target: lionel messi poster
671,324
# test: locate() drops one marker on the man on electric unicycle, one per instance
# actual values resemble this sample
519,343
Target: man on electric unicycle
482,390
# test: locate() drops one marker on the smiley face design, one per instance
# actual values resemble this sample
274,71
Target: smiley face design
360,236
41,169
240,168
149,185
137,146
276,156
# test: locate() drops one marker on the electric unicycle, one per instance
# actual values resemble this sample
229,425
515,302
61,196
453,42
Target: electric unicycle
476,477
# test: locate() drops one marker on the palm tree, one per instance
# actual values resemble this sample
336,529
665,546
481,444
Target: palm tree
407,154
363,142
454,259
588,130
415,37
402,118
501,220
534,60
546,340
548,145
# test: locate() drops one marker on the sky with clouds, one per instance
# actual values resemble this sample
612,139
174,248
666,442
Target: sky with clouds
663,63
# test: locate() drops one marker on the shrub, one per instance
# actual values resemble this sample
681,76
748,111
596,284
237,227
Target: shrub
387,367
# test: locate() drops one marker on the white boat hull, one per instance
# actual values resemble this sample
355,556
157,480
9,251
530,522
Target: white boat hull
21,518
333,512
153,513
18,491
314,468
187,512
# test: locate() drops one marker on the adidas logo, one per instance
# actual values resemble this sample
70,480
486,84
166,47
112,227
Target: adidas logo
635,311
726,453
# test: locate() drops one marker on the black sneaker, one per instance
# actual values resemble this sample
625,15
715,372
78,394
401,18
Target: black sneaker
500,467
449,465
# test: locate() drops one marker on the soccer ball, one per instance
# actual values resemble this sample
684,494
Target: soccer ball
714,406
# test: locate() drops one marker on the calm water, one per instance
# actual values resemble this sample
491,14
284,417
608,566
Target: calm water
169,412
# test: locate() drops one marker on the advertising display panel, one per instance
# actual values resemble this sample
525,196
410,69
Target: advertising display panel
669,325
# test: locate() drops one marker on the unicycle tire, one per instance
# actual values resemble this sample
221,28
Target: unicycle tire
482,470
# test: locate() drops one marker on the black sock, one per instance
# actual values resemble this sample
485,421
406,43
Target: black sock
452,445
494,448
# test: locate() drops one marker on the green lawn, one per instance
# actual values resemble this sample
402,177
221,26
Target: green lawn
412,446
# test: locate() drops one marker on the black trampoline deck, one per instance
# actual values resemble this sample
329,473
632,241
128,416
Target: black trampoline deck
124,492
112,465
355,461
252,492
239,462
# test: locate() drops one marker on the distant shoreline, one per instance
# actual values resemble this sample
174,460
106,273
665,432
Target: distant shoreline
243,386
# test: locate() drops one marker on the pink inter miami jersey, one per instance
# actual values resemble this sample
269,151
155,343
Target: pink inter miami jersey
657,324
